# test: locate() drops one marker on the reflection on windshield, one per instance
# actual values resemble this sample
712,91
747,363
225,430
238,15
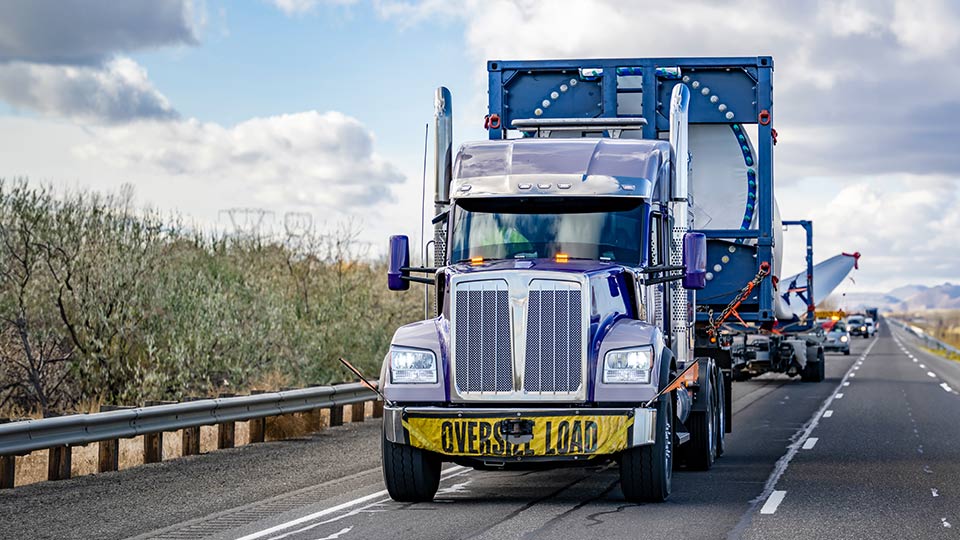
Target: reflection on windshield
607,228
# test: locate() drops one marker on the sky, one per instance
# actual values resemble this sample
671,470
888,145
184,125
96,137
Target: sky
318,107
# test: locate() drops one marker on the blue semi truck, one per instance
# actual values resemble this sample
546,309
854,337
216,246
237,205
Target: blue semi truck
604,265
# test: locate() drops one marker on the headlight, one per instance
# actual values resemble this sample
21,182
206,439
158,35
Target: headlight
627,366
843,339
412,366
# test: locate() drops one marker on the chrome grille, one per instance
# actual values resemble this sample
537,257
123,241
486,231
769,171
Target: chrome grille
483,355
554,351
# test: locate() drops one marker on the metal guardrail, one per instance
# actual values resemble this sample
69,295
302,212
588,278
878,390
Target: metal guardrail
80,429
929,341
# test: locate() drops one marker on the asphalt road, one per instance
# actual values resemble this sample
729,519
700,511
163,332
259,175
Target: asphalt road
871,452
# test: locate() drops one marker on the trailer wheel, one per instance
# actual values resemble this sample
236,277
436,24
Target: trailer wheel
815,370
411,474
701,451
721,429
646,471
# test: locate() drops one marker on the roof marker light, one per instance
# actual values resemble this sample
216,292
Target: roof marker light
563,186
466,187
476,260
524,186
543,186
563,257
628,187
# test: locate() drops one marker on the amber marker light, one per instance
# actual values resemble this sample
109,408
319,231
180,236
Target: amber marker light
476,260
563,257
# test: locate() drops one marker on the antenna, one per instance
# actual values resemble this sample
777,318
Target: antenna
423,197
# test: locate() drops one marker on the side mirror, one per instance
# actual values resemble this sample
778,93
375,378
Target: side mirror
695,260
399,258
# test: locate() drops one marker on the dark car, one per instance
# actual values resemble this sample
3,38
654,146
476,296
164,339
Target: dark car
857,326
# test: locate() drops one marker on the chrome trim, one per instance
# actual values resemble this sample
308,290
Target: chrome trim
518,286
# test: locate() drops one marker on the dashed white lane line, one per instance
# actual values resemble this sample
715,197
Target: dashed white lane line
769,493
846,383
934,492
931,374
839,396
923,366
828,414
810,443
915,360
946,387
946,524
852,375
773,501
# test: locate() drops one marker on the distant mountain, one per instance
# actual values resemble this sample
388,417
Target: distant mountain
907,291
906,298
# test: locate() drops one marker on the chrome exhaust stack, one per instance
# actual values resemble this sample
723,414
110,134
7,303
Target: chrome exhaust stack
682,333
443,168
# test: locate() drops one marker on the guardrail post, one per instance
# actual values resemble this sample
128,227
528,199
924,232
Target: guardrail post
8,471
336,415
153,442
378,409
190,437
58,463
108,458
357,411
226,431
257,426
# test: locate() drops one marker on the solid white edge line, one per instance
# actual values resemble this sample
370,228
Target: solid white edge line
337,508
810,443
773,501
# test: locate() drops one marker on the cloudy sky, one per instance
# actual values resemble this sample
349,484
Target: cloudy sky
319,106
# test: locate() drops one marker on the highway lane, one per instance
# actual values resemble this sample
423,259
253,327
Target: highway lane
885,462
859,478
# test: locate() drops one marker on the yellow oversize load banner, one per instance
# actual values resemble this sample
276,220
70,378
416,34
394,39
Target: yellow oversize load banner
582,435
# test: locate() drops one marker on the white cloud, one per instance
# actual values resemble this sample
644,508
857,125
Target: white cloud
299,7
116,92
304,160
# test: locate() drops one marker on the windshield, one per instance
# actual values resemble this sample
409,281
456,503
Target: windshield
599,228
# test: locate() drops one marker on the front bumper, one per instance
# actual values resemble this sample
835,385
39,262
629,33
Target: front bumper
554,434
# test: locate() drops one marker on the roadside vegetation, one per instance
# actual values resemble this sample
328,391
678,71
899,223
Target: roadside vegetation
941,324
102,303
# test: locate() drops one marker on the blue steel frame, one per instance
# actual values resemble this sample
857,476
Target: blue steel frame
747,80
811,303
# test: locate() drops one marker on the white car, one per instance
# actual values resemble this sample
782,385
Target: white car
871,327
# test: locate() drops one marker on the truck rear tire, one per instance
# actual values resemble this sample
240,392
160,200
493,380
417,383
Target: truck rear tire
701,450
411,474
646,472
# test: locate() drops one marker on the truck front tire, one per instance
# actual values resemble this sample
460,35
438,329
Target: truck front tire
646,471
411,474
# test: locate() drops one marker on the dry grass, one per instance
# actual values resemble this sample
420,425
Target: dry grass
32,468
